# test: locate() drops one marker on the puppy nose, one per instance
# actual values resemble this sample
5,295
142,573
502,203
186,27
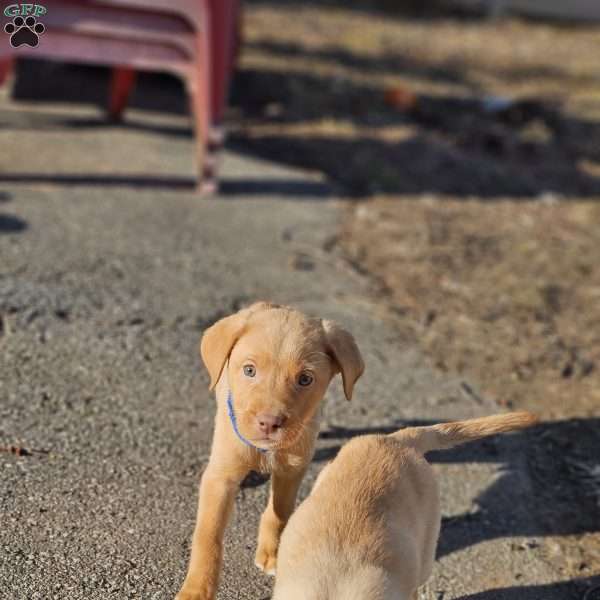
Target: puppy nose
268,424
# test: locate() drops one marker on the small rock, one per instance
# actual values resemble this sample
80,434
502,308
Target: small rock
302,262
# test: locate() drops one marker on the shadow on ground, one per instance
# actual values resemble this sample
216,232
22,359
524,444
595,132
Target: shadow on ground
47,81
161,93
444,145
578,589
296,189
11,224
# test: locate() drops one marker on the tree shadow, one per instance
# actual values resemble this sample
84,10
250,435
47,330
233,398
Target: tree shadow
445,145
11,224
424,165
549,483
456,146
577,589
297,189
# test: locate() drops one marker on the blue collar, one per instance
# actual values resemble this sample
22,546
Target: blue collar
233,420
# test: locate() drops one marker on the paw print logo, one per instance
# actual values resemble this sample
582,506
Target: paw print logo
24,31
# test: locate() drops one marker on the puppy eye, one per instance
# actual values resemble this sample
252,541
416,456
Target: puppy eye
305,379
249,370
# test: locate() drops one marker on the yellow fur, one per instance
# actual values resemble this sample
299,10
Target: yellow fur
369,528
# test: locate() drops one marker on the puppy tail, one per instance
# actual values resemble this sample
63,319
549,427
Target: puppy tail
447,435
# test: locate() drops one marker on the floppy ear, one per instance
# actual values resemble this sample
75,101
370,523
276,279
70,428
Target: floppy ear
346,354
219,339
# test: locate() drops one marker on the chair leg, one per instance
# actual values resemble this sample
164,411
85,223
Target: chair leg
224,22
238,37
199,89
6,66
122,82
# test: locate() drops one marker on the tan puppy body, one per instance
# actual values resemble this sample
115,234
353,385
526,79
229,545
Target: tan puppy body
274,365
369,528
362,583
372,515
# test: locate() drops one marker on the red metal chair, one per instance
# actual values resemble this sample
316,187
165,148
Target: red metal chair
193,39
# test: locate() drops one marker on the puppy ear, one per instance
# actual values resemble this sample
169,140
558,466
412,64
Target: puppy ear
219,339
345,353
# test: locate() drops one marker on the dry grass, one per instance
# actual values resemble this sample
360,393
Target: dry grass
507,293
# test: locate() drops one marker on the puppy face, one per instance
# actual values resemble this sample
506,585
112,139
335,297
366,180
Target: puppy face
278,373
278,363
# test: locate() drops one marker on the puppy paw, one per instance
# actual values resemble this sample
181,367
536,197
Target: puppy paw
183,595
192,596
196,593
266,559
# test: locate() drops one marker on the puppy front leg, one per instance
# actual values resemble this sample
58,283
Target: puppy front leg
282,499
215,503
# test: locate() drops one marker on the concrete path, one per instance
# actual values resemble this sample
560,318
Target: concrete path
105,288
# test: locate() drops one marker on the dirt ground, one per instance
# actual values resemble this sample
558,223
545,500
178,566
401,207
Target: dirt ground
470,152
506,292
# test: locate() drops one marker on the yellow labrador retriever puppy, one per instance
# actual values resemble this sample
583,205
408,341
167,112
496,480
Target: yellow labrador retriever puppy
271,366
369,529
